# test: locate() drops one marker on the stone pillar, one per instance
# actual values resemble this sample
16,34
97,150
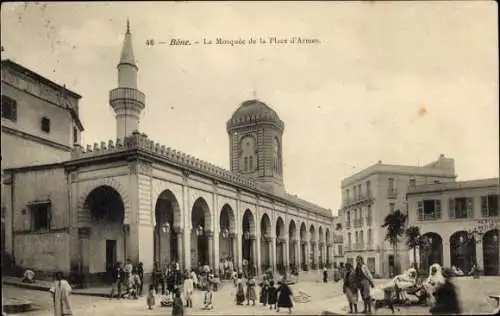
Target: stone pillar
84,235
239,251
286,254
446,254
216,251
297,253
258,255
210,242
183,242
253,249
272,251
232,245
146,252
479,255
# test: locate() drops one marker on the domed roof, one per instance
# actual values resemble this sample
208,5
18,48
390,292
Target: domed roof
254,111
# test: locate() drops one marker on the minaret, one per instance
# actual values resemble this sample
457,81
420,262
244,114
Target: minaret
126,100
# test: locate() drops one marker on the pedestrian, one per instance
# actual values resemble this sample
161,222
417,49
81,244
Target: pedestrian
350,288
170,280
264,289
364,281
208,299
325,275
251,296
158,279
117,281
188,291
195,279
272,295
284,296
61,290
446,297
240,292
151,296
177,305
140,273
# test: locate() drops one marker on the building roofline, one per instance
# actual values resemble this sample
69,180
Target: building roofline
12,64
380,168
35,167
453,186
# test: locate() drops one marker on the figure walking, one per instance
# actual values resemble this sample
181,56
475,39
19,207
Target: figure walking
61,290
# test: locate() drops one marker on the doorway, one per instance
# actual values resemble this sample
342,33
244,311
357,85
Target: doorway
110,254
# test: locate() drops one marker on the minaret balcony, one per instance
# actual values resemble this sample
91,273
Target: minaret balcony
130,95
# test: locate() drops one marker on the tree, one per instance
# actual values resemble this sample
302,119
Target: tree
394,223
413,241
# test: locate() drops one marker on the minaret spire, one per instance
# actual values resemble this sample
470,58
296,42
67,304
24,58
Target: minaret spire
126,100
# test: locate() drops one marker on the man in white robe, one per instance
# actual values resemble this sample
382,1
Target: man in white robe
61,290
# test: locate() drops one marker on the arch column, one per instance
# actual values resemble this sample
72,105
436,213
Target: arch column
210,244
84,235
257,262
479,254
286,260
446,254
184,262
272,253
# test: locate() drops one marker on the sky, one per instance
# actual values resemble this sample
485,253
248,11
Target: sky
401,82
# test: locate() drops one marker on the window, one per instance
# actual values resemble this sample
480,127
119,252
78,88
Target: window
391,207
429,210
340,250
9,108
349,240
391,185
359,190
347,194
361,237
348,216
489,205
75,135
354,192
356,237
369,237
246,163
370,263
45,125
250,163
40,216
368,188
338,226
413,182
461,208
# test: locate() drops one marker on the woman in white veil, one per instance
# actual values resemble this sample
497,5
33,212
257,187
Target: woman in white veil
434,280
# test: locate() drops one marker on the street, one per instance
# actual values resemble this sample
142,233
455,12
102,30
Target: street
473,293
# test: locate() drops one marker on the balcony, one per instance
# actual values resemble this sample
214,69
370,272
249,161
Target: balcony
358,222
118,95
359,199
369,220
392,193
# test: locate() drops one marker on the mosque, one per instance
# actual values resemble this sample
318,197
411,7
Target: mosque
132,198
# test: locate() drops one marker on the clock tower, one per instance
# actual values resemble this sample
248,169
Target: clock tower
255,144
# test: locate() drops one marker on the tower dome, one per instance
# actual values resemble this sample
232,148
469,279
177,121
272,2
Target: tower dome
252,112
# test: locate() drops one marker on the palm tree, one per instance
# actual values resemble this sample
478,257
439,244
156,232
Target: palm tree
395,225
413,241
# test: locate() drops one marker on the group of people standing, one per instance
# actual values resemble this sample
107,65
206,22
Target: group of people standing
357,282
128,280
270,295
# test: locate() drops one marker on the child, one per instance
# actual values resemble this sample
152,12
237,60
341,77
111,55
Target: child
166,300
272,295
151,296
177,305
207,301
264,285
251,296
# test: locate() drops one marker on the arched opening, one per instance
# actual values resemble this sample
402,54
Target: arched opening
431,251
491,248
248,241
328,247
462,251
226,237
167,219
107,230
265,245
292,244
200,229
303,246
280,245
312,243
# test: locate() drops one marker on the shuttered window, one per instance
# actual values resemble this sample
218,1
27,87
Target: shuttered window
420,210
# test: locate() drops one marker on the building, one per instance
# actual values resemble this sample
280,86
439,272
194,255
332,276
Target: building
370,195
134,198
40,124
338,241
460,221
40,119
